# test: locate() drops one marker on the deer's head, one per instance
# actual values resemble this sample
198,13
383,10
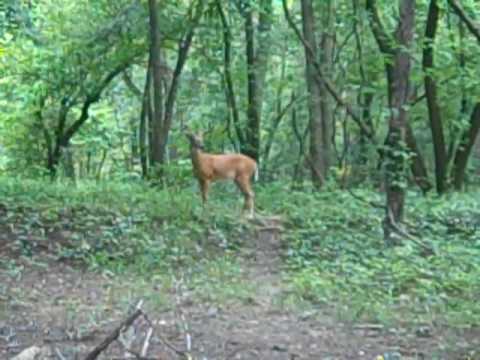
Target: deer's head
196,140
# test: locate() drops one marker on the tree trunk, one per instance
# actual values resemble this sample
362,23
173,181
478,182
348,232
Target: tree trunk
318,162
229,86
417,165
68,163
156,124
327,39
257,51
470,135
252,129
262,51
434,112
398,73
171,95
143,128
465,148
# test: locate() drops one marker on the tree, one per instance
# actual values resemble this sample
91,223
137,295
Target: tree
470,134
257,59
320,111
164,103
68,74
397,67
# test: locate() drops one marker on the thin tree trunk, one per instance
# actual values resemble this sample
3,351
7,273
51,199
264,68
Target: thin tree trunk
465,148
470,135
276,123
317,160
327,39
229,87
262,52
89,163
278,118
252,129
434,112
171,96
298,172
144,127
257,52
68,163
156,123
417,165
98,175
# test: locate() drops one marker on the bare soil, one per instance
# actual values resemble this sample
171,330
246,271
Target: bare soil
69,310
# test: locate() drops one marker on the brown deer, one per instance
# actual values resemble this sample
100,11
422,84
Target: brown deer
212,167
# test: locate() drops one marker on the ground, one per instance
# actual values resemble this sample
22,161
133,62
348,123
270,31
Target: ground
70,309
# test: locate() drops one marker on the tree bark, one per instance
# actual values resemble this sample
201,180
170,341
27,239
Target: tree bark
257,45
155,62
164,101
470,135
252,130
143,126
317,160
397,66
417,165
434,112
182,55
229,86
465,148
327,39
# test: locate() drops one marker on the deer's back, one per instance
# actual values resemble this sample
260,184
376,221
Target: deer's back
226,166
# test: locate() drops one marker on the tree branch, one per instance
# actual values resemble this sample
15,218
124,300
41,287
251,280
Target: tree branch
91,99
183,48
471,25
131,85
227,36
381,36
325,81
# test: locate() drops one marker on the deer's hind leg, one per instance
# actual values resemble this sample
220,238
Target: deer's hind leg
243,183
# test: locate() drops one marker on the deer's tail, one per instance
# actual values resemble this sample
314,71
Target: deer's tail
255,175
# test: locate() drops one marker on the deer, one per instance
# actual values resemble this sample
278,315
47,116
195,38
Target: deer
208,168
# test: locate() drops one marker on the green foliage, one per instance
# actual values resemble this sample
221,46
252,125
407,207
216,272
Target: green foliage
333,243
336,254
54,72
115,223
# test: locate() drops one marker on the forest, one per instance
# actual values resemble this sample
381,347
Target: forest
239,179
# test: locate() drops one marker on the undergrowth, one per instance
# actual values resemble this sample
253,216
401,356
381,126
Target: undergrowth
333,243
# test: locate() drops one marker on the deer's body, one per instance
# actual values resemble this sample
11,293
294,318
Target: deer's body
213,167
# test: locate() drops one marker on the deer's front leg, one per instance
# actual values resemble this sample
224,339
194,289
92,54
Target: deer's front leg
204,190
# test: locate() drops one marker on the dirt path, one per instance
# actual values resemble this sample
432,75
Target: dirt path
70,311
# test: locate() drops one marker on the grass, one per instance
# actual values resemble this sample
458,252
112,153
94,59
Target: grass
333,244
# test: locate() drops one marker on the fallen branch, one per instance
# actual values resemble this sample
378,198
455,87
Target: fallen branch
146,343
114,335
59,354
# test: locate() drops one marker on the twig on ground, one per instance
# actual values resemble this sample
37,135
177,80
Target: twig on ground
146,343
115,333
188,337
59,354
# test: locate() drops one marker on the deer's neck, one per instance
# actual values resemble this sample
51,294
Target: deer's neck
195,154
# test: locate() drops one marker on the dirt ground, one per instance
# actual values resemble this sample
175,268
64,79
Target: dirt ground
69,310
